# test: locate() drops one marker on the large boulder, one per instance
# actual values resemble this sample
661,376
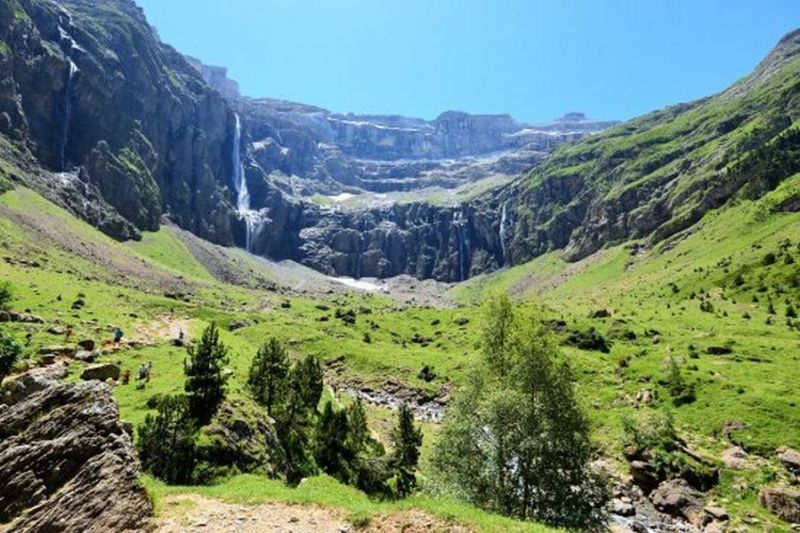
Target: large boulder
782,501
68,465
19,387
790,459
677,498
101,372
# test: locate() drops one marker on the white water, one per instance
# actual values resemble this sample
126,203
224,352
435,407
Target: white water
460,222
73,69
242,193
359,284
504,230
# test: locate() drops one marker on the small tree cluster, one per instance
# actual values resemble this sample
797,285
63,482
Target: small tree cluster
5,296
680,391
335,441
167,441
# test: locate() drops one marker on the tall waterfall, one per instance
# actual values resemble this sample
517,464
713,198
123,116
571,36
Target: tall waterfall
504,230
240,184
460,223
71,46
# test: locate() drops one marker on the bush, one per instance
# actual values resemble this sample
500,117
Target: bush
10,350
5,296
591,340
166,442
681,392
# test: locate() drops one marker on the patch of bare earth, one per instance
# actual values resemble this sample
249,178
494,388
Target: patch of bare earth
193,513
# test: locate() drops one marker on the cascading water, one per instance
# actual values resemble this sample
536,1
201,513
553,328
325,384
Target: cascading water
460,223
504,230
71,46
240,184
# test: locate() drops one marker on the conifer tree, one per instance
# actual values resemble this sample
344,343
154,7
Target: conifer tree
268,377
205,381
407,439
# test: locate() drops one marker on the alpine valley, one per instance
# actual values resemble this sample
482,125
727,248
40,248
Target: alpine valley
228,313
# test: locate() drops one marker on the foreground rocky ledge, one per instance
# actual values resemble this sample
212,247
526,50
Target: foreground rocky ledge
67,463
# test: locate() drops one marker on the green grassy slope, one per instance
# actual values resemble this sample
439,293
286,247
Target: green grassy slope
657,175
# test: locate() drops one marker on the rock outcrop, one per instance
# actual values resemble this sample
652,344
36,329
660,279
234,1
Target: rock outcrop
781,501
67,463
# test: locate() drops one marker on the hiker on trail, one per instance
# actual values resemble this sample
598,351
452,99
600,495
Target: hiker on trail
147,371
118,335
126,377
68,333
142,372
180,334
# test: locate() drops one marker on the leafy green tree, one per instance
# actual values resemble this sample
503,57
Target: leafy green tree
515,440
407,439
205,381
166,443
269,372
10,351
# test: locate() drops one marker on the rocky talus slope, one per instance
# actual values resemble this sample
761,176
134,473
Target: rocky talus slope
66,461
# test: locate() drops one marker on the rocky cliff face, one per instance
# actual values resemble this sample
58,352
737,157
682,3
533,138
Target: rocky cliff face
66,461
333,152
88,84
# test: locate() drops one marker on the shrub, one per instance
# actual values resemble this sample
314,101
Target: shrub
5,296
681,392
10,350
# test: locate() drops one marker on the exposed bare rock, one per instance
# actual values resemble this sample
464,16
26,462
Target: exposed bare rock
68,465
735,458
101,371
677,498
17,388
791,460
781,501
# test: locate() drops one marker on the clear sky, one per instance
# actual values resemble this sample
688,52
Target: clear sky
534,59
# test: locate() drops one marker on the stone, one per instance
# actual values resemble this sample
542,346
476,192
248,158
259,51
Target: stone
717,513
735,458
19,387
68,465
643,475
678,499
66,351
783,502
87,344
238,324
101,372
620,508
790,459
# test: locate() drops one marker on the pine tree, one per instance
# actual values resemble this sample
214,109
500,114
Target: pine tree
205,381
166,443
407,439
334,453
268,377
307,377
5,296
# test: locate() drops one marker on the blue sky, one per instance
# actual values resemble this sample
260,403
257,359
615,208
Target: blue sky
534,59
